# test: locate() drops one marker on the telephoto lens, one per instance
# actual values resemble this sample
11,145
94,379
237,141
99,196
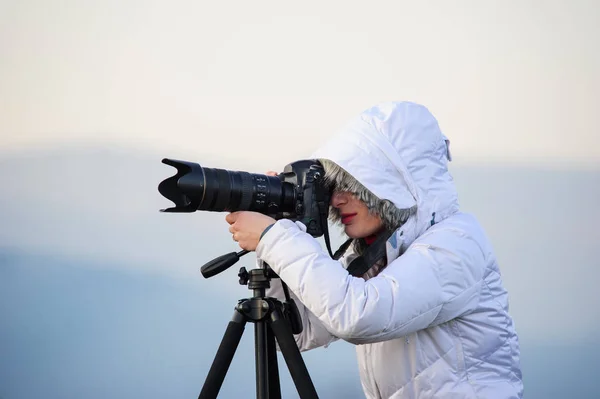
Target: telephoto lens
196,188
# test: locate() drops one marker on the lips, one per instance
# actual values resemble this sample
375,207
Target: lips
347,217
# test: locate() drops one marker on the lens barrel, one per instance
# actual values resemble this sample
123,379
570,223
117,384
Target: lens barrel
209,189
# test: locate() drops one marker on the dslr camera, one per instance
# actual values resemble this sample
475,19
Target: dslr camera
298,193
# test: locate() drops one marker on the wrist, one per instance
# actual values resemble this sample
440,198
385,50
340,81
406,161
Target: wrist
265,231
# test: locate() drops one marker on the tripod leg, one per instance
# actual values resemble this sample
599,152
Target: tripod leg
274,388
292,356
218,370
261,358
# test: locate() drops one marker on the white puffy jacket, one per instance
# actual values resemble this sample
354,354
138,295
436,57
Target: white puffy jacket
434,323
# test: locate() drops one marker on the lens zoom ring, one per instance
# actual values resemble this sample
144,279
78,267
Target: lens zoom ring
224,191
247,190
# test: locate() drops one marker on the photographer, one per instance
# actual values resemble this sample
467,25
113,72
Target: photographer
429,317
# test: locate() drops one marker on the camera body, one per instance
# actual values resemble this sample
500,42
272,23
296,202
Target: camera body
312,196
298,193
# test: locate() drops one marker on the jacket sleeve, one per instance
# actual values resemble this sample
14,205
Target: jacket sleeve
437,279
314,334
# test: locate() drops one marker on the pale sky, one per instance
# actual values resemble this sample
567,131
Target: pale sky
512,81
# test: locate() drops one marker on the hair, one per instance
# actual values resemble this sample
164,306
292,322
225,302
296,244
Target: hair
339,179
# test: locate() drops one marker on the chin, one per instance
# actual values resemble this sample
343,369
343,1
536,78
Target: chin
351,233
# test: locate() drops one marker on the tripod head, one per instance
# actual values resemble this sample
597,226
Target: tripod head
257,280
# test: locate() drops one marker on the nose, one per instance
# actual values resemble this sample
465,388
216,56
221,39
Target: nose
338,199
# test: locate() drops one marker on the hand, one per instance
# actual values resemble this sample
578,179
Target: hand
246,227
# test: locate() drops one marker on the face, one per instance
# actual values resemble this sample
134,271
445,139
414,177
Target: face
355,216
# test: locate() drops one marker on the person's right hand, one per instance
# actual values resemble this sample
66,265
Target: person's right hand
271,173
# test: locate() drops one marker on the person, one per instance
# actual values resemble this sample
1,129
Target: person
430,319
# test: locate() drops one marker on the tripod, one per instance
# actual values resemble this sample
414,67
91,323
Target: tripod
273,320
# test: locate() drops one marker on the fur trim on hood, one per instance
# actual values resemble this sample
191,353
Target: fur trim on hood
338,179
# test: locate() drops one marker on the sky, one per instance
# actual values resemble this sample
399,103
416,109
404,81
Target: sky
93,94
512,81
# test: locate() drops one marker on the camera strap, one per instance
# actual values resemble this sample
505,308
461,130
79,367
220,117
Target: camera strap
342,249
374,253
323,205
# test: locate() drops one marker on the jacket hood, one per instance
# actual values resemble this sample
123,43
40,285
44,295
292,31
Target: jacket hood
336,176
399,157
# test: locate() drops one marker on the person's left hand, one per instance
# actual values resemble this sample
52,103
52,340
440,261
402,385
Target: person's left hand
247,227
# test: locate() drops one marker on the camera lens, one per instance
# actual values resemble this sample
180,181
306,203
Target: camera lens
226,190
197,188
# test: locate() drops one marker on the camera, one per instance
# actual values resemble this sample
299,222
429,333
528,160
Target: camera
298,193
